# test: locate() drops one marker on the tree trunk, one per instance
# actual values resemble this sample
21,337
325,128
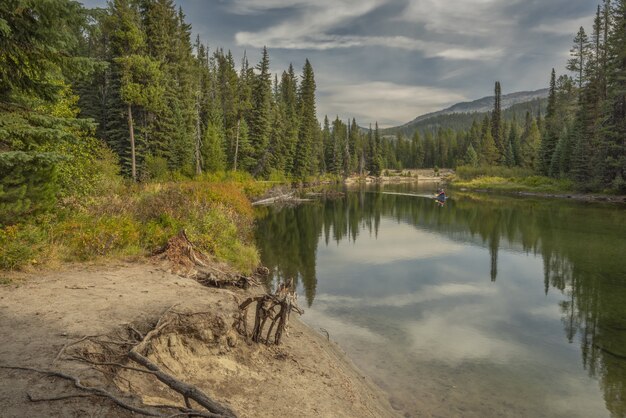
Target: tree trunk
132,142
236,144
198,142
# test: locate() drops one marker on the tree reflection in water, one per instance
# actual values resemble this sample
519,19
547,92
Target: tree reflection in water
583,248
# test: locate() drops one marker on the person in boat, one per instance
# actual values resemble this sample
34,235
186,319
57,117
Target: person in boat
441,195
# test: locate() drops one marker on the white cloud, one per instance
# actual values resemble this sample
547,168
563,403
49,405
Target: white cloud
424,294
387,102
565,26
312,29
462,340
465,17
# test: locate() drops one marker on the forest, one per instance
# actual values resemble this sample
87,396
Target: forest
86,93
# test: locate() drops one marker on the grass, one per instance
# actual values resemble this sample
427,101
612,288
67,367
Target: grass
136,220
509,179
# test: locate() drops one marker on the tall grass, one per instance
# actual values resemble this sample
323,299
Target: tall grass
137,220
509,179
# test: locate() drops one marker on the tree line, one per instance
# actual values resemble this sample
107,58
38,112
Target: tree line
581,137
83,92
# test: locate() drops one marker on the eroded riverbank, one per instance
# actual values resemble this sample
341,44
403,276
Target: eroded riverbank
43,313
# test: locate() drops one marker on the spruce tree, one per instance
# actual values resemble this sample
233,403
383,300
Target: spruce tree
612,151
260,111
36,62
309,139
551,134
496,122
579,57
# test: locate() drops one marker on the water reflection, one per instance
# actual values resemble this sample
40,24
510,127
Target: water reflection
581,249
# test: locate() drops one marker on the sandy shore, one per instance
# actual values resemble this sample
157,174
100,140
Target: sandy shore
307,376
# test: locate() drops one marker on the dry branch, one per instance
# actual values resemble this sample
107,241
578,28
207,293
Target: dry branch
92,390
188,391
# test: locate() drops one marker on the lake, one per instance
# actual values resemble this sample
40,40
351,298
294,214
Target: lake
487,306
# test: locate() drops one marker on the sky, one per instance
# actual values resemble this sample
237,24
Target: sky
393,60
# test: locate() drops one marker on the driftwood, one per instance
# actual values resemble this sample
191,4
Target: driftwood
275,307
270,200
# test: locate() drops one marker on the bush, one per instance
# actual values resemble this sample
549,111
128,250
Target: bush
468,172
87,238
20,245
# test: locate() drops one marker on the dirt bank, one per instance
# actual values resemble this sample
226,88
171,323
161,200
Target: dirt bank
42,314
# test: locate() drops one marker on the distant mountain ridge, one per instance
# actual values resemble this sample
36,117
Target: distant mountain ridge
466,111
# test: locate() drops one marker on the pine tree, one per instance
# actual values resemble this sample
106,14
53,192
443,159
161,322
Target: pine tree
530,146
579,57
471,158
37,116
551,134
496,122
376,160
613,145
260,112
309,141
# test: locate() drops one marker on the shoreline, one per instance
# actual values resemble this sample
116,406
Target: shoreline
307,375
582,197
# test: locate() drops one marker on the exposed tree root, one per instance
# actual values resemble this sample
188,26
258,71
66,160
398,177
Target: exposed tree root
123,350
276,307
94,391
189,262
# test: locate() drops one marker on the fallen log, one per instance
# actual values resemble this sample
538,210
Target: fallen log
270,200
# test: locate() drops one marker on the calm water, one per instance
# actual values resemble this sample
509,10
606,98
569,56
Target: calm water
488,306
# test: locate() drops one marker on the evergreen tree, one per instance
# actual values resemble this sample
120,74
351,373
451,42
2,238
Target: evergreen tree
39,132
551,134
496,121
260,112
579,56
471,158
612,161
376,160
308,146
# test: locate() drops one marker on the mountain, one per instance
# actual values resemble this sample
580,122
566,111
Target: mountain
461,115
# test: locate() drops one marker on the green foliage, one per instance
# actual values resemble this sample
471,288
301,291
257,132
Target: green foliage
37,39
20,245
137,221
155,168
539,184
466,172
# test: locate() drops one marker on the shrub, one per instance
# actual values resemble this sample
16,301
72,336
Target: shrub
20,245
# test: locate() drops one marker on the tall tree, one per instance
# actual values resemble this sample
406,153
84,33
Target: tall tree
551,134
260,112
496,121
579,57
308,135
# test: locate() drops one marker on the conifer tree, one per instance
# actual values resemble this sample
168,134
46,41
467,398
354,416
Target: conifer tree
309,140
37,116
496,121
612,151
551,134
471,158
260,111
579,57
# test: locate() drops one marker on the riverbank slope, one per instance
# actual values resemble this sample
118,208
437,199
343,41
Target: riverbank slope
41,314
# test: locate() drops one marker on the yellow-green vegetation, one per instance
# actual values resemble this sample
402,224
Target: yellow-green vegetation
508,180
139,219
